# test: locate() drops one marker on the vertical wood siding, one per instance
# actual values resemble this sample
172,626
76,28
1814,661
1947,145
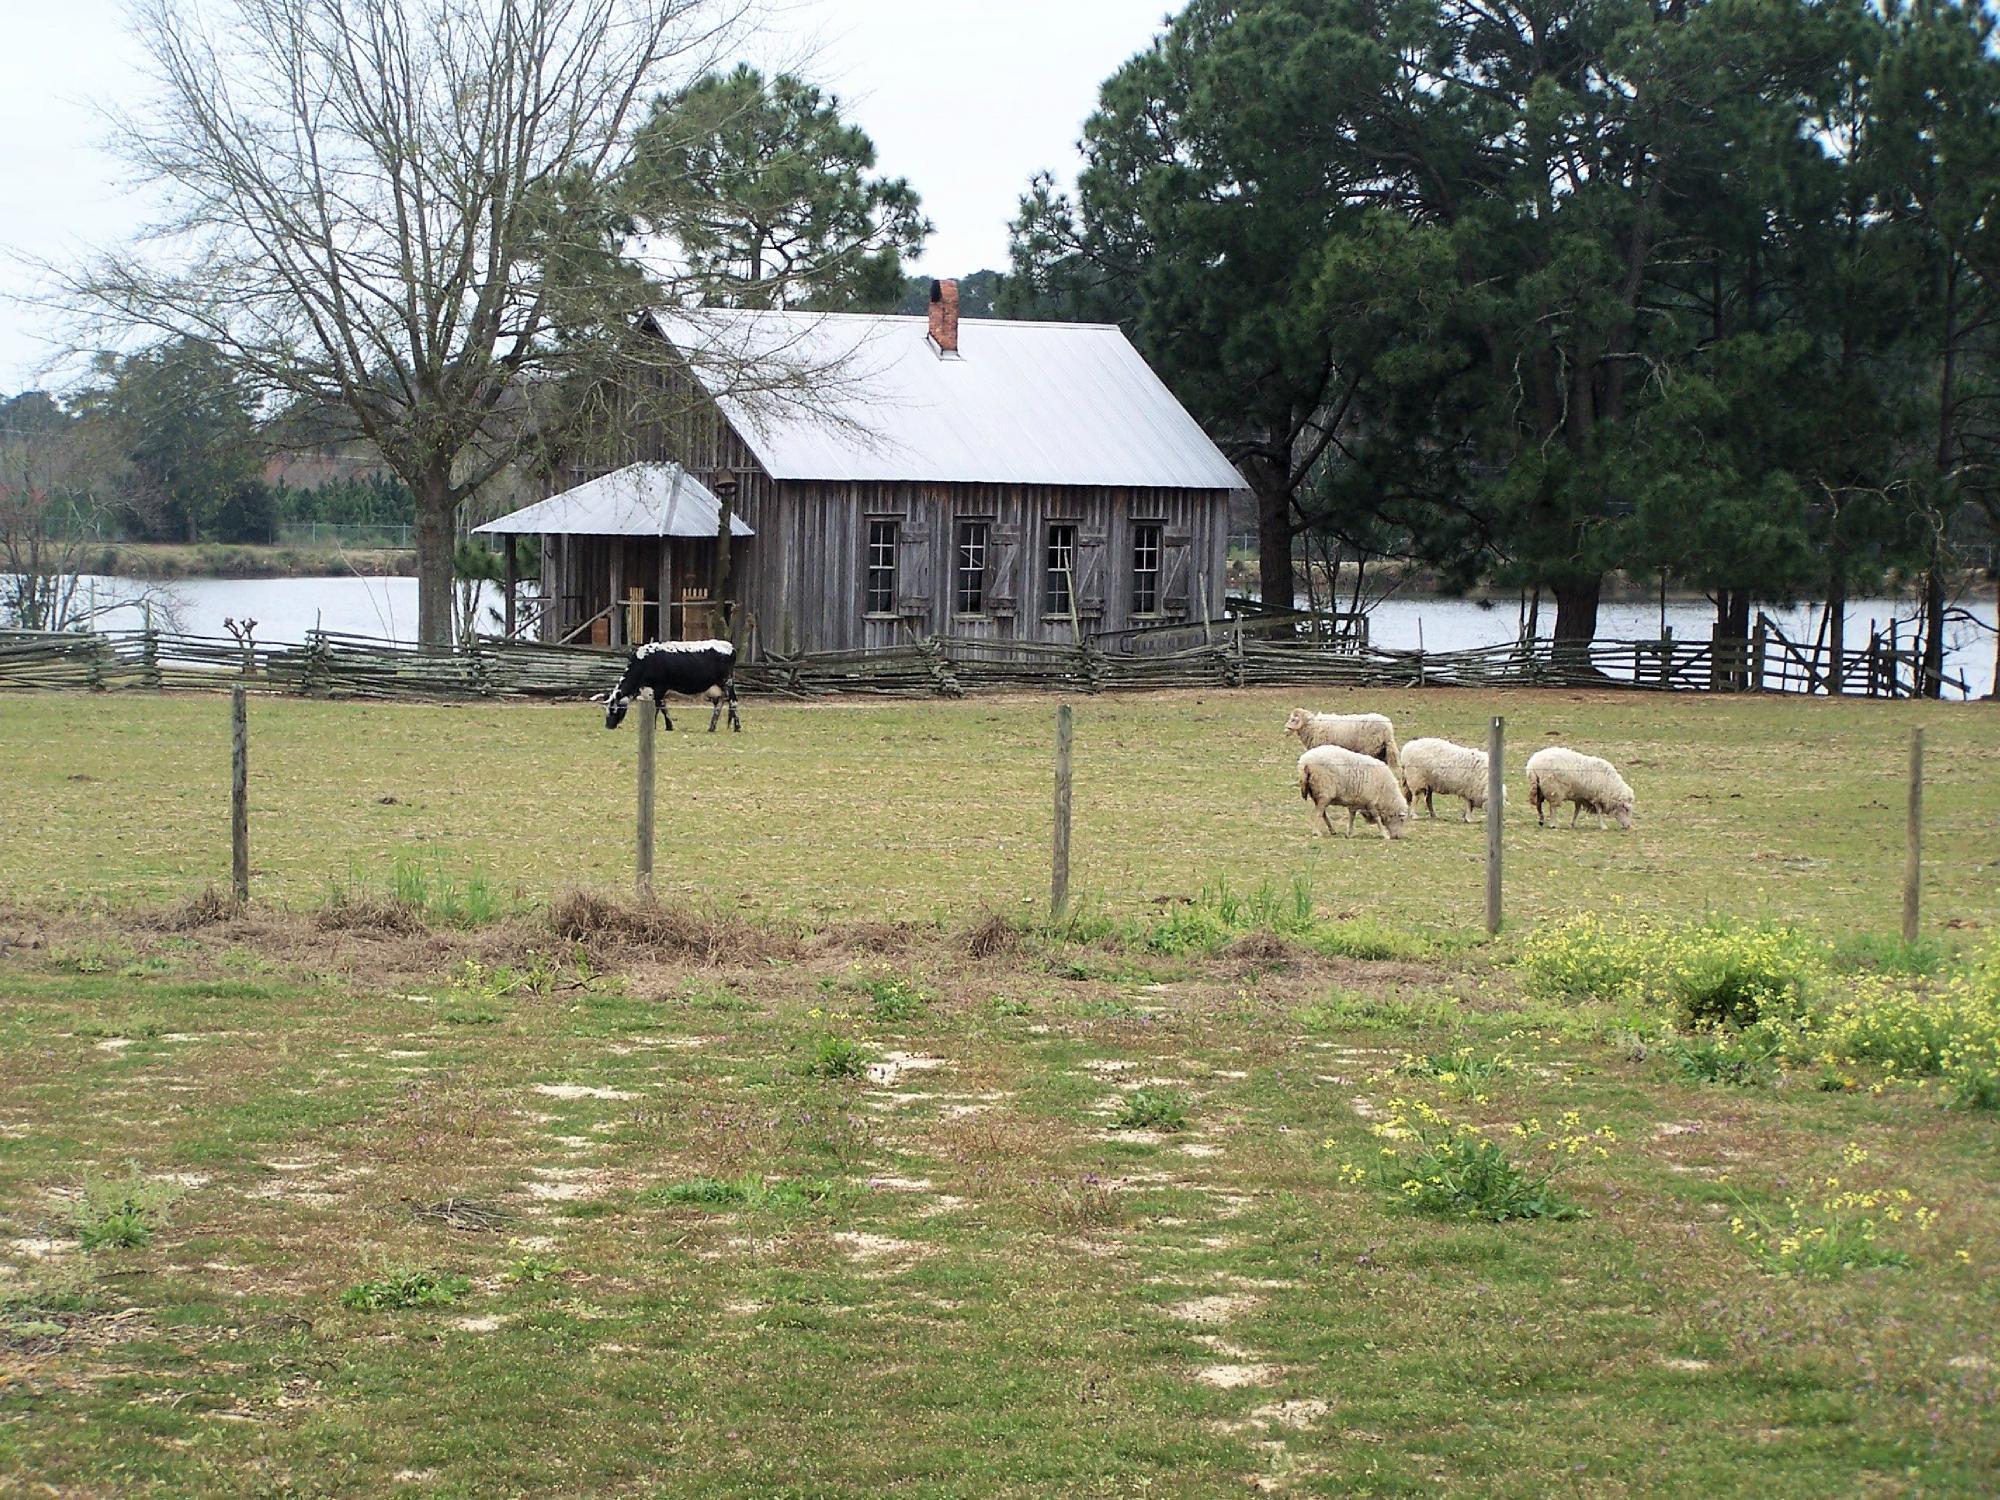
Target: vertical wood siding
802,577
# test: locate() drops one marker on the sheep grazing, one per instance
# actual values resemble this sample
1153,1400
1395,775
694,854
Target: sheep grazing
1330,776
1364,734
1557,775
691,668
1432,766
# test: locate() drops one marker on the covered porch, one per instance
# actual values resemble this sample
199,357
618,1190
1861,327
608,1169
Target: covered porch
636,555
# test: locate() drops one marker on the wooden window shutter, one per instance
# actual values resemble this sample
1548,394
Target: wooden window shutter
913,569
1090,575
1176,549
1003,571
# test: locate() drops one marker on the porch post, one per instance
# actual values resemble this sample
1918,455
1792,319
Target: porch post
667,589
617,620
511,578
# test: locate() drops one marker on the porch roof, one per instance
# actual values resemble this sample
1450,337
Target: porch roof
653,499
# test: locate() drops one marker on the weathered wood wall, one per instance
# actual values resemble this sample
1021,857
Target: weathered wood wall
803,576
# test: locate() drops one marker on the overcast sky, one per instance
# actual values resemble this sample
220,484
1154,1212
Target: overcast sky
966,98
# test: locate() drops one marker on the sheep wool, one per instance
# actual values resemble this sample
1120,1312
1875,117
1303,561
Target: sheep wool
1364,734
1330,776
1431,766
1557,775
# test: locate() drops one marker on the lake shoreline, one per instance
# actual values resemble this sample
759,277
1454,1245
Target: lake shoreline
169,562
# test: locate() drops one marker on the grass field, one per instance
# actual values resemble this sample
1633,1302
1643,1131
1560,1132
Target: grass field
848,1177
1766,806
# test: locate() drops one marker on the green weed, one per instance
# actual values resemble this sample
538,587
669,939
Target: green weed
119,1214
1151,1109
835,1057
405,1289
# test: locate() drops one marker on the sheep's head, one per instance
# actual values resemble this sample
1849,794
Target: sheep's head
1620,812
1396,822
1297,721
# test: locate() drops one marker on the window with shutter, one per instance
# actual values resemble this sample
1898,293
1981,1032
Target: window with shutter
913,569
1003,571
1090,574
1176,553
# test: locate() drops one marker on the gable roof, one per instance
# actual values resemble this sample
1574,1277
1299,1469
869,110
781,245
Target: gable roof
1022,403
656,499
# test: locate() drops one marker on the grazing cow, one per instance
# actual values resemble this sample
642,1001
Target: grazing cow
690,668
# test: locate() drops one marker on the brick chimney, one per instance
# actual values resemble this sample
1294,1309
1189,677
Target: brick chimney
944,316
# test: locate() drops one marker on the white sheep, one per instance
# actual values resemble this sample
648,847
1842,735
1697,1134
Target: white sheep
1431,766
1557,775
1364,734
1330,776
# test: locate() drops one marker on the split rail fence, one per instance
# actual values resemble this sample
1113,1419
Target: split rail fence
329,665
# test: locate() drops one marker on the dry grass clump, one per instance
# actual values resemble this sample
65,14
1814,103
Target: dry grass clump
875,939
995,937
208,909
1263,950
607,926
364,913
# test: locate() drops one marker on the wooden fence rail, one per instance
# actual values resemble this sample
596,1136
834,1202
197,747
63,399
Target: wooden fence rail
331,665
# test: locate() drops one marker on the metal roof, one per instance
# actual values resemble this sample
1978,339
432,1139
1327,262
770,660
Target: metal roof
638,500
1021,403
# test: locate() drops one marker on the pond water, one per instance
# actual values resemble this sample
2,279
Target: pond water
285,609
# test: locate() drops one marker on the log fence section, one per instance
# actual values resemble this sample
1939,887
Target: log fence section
332,665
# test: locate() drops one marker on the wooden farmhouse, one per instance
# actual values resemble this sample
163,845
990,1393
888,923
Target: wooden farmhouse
994,480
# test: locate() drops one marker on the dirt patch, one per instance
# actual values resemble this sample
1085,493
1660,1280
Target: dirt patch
860,1245
581,1091
1215,1310
1232,1377
1300,1415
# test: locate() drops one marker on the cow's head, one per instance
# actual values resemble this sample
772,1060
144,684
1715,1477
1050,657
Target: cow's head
615,705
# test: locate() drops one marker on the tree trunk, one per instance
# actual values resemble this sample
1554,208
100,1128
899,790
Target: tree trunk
1277,579
1932,685
1730,642
1836,622
437,509
1576,622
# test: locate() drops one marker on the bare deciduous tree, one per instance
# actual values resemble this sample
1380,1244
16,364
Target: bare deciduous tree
50,466
401,211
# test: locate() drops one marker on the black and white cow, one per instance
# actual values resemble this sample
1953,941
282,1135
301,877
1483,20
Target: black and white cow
690,668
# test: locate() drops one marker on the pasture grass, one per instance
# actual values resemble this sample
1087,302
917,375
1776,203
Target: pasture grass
841,1170
619,1236
1186,809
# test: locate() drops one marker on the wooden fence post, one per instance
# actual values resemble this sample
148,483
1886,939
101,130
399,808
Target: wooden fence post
239,796
644,868
1913,856
1757,647
1059,852
1496,802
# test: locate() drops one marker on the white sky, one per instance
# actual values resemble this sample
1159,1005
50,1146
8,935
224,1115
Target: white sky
966,98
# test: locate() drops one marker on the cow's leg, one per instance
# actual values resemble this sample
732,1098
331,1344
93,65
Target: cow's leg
735,720
715,698
666,718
